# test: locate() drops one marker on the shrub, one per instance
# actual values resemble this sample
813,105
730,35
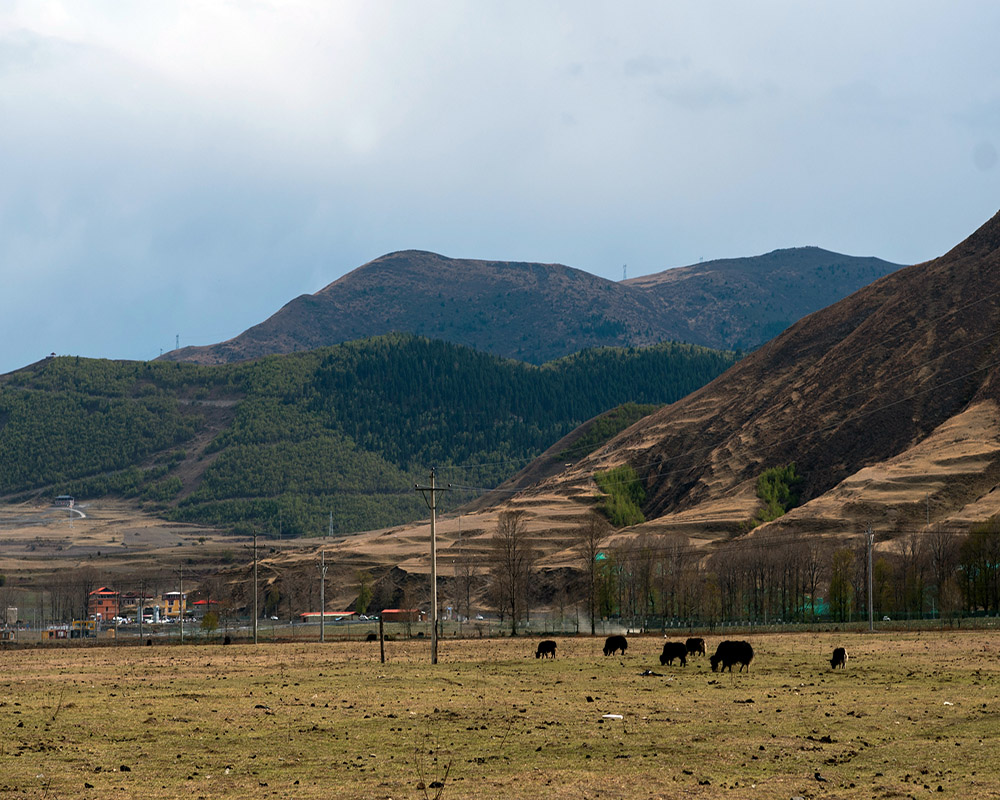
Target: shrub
778,488
624,495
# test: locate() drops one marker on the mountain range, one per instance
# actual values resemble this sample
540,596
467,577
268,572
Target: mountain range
539,312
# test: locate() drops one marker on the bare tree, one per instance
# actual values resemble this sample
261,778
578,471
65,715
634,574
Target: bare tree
942,549
590,540
85,580
913,567
842,583
513,558
813,574
463,585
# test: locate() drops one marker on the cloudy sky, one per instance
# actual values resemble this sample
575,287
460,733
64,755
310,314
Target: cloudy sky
182,168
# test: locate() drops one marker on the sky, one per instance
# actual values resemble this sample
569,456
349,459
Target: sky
176,171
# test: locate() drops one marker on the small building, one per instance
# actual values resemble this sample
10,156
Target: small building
83,629
63,501
403,615
173,604
201,607
329,616
103,604
132,604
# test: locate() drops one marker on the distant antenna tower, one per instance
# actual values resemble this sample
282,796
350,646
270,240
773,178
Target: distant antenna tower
624,272
177,342
330,531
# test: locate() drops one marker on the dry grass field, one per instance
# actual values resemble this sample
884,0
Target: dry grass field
913,715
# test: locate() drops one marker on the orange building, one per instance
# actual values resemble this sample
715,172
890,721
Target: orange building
103,603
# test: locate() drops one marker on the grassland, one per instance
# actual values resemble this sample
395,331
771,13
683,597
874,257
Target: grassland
913,715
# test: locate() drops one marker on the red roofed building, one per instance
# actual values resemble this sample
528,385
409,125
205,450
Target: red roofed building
328,616
404,615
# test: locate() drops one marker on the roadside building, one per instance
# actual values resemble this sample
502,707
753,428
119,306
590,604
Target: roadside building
201,607
103,604
173,604
329,616
403,615
132,604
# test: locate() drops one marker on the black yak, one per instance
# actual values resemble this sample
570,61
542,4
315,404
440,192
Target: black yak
729,653
672,650
695,646
839,658
614,643
546,647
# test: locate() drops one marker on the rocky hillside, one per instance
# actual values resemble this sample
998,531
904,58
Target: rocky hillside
538,312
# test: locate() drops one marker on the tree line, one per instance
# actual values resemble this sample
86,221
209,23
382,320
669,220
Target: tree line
651,581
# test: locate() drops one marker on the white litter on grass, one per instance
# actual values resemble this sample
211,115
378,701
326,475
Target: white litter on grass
948,704
613,716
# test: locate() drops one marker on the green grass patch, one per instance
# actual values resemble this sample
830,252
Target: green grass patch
624,495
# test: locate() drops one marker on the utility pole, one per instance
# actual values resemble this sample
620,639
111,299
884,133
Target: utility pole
430,497
255,613
461,556
870,537
322,595
142,606
180,601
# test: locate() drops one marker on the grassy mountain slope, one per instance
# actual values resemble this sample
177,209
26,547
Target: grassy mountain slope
902,373
282,442
538,312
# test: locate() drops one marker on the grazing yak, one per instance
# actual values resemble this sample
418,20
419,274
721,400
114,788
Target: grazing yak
729,653
695,646
672,650
839,658
546,647
613,644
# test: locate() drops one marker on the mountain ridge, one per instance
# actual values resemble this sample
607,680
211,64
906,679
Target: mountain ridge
537,312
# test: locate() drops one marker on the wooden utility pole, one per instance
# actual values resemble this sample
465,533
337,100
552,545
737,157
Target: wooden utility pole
461,556
322,595
255,613
430,497
870,537
142,605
